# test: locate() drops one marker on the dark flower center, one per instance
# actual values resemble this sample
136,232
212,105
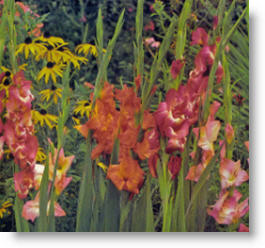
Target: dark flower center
49,47
46,34
28,40
7,73
50,65
43,112
61,49
6,82
53,87
86,104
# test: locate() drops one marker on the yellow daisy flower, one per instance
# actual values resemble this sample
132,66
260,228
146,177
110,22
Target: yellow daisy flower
53,53
41,156
52,40
4,69
3,208
53,93
6,82
51,70
76,120
87,48
30,46
83,107
23,67
42,117
75,60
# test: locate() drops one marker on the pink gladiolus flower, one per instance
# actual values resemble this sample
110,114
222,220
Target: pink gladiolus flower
208,134
199,37
176,66
177,137
231,173
31,209
243,228
24,181
174,166
195,173
64,163
38,173
215,22
227,210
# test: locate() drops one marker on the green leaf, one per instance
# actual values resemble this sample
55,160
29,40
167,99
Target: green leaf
86,193
43,221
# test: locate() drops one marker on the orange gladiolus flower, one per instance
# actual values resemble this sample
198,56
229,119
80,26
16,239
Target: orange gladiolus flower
104,122
127,175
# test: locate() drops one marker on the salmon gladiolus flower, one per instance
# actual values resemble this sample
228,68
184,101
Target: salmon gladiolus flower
31,209
64,163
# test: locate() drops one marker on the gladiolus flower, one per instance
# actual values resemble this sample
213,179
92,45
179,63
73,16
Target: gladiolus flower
152,164
104,121
149,146
148,120
63,165
174,166
127,175
227,210
31,209
243,228
208,134
24,181
231,173
176,67
195,172
199,37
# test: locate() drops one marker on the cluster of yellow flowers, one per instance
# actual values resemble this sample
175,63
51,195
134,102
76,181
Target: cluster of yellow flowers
55,53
